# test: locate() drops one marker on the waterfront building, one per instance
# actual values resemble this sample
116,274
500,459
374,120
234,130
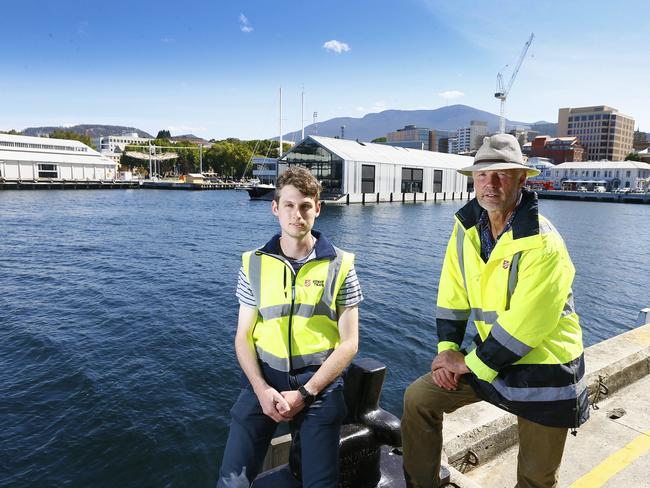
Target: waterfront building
603,131
557,149
470,138
544,180
265,169
113,146
609,174
355,168
26,158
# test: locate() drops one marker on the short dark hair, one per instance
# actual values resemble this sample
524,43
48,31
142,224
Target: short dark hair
302,179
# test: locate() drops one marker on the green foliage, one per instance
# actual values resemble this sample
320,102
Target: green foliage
163,134
12,132
228,158
379,139
72,136
633,156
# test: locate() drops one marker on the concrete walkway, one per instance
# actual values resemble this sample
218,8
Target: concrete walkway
611,450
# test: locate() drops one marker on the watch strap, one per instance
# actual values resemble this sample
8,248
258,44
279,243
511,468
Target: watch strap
307,397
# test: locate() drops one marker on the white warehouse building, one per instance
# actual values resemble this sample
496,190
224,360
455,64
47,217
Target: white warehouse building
353,171
32,159
610,174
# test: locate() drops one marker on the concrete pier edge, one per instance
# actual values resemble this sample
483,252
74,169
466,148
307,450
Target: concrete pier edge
477,433
480,432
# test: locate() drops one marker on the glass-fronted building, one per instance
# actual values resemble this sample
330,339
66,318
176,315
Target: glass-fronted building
352,169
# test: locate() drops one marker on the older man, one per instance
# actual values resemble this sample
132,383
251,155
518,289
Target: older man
507,270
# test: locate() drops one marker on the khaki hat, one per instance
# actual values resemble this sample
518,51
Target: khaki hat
500,151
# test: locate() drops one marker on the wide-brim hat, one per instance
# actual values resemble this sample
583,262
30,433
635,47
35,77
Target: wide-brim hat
500,151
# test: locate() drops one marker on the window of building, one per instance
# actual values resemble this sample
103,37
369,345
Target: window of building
48,171
437,181
367,178
412,180
628,174
326,166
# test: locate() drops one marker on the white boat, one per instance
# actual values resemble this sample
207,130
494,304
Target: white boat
260,191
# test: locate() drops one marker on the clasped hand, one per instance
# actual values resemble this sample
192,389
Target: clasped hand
447,368
280,406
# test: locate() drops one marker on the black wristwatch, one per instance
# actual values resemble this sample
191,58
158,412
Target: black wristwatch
307,398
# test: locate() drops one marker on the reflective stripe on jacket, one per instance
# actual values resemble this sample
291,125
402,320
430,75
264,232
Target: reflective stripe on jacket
297,320
529,354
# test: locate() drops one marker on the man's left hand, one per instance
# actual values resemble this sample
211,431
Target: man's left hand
294,399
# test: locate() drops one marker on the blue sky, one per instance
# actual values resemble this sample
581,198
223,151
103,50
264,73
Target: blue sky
213,68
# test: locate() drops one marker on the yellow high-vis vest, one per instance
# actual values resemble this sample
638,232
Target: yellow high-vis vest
297,321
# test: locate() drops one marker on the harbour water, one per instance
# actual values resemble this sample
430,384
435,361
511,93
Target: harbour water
117,315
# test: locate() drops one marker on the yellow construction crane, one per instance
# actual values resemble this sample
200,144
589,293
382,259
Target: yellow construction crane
502,93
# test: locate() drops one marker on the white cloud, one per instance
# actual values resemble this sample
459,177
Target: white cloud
336,46
451,94
244,25
360,109
167,40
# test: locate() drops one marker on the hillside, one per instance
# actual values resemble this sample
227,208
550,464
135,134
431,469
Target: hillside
92,130
379,124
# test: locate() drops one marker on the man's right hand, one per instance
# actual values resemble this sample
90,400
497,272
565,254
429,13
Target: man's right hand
272,402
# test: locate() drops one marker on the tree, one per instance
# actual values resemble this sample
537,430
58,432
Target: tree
163,134
633,156
380,139
72,136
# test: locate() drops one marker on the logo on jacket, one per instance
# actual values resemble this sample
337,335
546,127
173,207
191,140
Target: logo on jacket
320,283
506,264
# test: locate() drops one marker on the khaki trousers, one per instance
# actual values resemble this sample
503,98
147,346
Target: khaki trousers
540,447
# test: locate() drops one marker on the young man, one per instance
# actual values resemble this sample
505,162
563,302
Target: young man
297,332
506,269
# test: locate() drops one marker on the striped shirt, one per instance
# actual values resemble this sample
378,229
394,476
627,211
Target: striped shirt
349,295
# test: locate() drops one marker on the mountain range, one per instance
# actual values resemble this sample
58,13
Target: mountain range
447,118
365,128
92,130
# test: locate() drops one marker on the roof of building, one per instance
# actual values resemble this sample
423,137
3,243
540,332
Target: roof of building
49,150
382,153
604,165
52,144
61,158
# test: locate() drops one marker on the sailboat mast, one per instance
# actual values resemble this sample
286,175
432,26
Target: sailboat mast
302,115
280,148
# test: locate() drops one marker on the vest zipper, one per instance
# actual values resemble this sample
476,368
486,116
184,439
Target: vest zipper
293,299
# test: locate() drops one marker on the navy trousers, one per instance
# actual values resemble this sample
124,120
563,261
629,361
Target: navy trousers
251,432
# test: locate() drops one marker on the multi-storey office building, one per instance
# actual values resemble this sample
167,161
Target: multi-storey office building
113,146
603,131
470,138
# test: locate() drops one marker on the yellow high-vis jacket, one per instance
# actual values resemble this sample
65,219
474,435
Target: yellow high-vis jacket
297,320
529,354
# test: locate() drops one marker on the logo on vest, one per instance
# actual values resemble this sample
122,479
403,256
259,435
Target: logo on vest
320,283
506,264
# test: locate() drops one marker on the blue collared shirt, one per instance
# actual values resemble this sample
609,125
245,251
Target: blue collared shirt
485,232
